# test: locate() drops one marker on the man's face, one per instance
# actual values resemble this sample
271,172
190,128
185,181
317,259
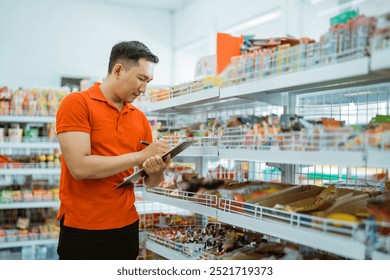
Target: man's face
133,82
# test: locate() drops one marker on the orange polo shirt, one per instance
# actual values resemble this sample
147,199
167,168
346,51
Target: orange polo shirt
95,204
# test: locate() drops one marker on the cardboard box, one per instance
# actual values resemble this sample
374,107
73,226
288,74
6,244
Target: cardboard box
342,194
353,205
248,192
289,195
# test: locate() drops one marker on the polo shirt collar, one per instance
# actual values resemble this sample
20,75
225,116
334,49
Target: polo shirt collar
130,106
95,93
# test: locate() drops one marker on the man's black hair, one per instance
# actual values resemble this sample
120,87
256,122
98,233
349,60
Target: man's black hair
129,53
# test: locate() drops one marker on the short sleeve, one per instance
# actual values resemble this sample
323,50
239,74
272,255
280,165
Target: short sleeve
73,114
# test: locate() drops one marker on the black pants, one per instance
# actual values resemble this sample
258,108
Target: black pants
110,244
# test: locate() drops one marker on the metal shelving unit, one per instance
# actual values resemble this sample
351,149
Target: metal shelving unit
201,205
380,61
166,252
30,145
31,245
16,244
204,146
340,238
332,74
377,255
378,158
295,157
27,119
329,235
189,99
149,207
30,204
30,171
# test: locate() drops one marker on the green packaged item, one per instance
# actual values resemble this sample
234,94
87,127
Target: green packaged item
381,119
343,17
6,196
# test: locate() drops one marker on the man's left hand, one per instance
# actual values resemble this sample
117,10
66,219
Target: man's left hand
155,165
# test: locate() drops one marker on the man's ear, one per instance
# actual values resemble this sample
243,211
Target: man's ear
116,70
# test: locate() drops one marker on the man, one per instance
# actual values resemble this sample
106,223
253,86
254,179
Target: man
99,132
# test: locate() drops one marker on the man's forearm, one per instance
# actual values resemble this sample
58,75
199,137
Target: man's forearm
97,167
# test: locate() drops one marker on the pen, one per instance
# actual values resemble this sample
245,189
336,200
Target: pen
145,143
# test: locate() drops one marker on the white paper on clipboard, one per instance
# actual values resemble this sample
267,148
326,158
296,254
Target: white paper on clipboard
174,151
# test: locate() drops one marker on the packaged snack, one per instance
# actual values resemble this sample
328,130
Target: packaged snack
22,223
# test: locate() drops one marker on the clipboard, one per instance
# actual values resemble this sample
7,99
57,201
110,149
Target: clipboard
174,151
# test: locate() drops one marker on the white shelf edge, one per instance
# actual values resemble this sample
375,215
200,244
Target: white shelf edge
200,151
327,242
376,255
30,171
28,119
187,205
32,204
380,60
296,157
16,244
165,252
30,145
142,236
379,159
149,207
186,99
303,79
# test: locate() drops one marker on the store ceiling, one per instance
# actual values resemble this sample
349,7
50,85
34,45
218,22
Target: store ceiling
151,4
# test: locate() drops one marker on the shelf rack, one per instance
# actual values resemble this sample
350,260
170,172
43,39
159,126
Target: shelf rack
30,204
27,119
338,237
172,250
15,244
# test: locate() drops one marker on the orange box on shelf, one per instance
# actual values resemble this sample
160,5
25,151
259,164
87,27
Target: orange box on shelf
227,47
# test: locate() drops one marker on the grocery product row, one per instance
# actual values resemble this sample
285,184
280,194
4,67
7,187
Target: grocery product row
345,149
15,237
15,132
35,160
352,37
354,72
22,196
353,51
34,153
31,102
28,216
220,241
344,222
28,234
21,225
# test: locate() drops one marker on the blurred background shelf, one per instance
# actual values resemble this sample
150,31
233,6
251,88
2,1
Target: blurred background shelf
32,204
15,244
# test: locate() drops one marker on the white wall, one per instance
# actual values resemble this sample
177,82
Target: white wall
203,18
200,21
317,16
42,40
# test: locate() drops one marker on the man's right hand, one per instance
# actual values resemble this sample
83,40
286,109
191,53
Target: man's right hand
155,148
